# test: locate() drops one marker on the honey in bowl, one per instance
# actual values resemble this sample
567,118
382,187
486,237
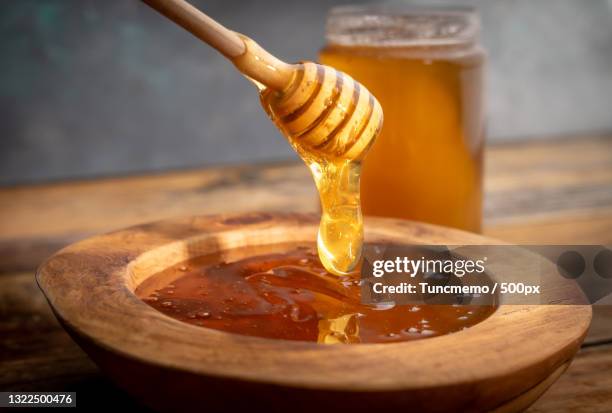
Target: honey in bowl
283,292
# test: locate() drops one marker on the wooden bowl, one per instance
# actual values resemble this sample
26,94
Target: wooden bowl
501,364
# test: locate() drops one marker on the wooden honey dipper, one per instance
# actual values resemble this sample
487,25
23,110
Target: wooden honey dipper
321,110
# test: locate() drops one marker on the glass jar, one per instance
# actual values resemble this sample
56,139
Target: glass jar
425,66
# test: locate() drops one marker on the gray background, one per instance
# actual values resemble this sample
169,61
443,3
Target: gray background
90,88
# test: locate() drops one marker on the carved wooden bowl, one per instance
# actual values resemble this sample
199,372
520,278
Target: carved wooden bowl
502,364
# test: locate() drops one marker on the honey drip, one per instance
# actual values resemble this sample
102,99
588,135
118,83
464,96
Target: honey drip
329,118
331,121
340,236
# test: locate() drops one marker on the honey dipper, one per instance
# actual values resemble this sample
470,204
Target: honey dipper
325,111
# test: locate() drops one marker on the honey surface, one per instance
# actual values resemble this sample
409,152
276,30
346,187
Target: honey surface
284,292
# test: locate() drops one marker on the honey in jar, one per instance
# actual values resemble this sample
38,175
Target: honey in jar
426,69
283,292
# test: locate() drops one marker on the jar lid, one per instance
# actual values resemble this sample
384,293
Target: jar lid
397,26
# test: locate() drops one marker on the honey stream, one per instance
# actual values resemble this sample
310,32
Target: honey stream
331,130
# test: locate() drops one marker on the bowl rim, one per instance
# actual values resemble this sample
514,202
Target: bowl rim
90,287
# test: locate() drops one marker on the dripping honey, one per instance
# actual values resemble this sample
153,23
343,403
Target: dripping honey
331,127
293,293
284,292
331,121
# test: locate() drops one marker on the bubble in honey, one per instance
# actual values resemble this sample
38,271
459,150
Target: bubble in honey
287,294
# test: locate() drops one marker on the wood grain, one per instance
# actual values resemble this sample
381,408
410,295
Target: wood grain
36,354
555,191
560,228
534,191
34,348
541,178
40,218
585,388
90,284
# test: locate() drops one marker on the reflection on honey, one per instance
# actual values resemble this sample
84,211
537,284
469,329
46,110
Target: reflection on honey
426,164
284,292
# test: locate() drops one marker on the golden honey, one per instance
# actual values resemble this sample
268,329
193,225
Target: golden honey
284,292
288,291
331,121
427,163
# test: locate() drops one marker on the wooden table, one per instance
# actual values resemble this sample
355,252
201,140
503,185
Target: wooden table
557,191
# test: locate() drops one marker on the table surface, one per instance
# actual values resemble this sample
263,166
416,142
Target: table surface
556,191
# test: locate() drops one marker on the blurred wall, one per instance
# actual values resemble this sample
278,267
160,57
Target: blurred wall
92,88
